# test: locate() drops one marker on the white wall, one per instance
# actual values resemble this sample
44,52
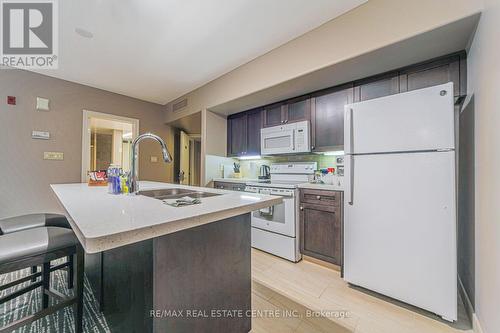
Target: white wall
484,82
213,139
369,27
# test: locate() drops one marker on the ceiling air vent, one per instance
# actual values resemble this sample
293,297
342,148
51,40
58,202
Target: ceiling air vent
177,106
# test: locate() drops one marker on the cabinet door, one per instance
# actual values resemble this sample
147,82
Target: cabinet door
254,125
379,86
298,109
432,74
321,232
237,135
327,118
273,115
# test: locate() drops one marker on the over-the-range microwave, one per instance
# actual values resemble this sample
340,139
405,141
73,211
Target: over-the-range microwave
285,139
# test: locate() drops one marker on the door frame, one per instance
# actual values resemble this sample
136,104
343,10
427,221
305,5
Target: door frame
87,114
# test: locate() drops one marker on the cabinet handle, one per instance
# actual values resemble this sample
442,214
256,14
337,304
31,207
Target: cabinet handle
318,197
312,147
301,208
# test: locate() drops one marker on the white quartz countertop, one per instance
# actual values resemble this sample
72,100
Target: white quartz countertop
325,187
236,180
104,221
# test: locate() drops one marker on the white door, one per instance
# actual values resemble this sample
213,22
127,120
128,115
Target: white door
413,121
400,229
184,159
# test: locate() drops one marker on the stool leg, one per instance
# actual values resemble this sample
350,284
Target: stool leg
71,271
34,269
45,284
79,290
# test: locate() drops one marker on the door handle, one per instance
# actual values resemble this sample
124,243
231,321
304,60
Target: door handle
349,144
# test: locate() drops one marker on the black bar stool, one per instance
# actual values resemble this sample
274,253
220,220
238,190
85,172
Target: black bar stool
38,247
29,221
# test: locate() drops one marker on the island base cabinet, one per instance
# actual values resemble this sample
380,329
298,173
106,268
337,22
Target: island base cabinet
195,280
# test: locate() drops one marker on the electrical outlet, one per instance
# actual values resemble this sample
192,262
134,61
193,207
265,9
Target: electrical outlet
154,159
52,155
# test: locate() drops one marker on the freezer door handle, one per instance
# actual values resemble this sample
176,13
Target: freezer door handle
349,137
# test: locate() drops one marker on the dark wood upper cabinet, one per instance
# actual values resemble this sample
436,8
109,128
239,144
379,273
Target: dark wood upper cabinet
237,134
327,118
254,125
273,115
243,133
297,109
436,72
384,85
321,225
289,111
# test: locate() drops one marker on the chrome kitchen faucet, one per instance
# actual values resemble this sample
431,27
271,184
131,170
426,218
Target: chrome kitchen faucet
134,186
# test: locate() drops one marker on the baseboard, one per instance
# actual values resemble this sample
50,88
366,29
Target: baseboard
476,326
467,303
321,263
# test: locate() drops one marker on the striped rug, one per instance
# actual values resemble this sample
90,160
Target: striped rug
59,322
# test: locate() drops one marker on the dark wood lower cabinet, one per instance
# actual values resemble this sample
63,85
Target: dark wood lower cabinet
321,231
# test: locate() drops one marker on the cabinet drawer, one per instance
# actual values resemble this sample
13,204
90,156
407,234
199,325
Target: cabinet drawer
230,186
320,197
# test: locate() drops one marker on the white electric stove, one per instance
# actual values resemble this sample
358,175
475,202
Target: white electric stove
276,229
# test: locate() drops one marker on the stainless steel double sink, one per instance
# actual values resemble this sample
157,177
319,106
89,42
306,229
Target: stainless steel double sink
176,193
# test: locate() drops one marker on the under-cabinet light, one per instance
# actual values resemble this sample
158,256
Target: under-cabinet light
334,153
249,157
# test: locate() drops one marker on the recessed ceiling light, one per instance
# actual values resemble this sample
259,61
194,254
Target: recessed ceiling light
84,33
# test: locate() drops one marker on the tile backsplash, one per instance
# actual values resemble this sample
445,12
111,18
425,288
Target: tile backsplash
251,168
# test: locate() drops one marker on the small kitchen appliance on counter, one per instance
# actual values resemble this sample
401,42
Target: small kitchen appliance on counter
265,172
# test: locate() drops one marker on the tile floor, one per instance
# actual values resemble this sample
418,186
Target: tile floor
350,309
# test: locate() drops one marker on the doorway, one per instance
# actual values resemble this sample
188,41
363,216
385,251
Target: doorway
106,140
187,152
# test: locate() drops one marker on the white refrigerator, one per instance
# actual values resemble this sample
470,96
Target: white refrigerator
400,203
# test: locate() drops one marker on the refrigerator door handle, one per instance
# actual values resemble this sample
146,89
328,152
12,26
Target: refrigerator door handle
350,194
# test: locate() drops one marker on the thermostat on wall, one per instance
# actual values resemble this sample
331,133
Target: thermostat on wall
42,104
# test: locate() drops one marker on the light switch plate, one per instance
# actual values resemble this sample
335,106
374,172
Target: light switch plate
53,155
42,104
154,159
40,135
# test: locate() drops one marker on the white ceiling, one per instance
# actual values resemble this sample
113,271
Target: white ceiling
158,50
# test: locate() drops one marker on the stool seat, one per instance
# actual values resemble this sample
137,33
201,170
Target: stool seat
23,222
36,241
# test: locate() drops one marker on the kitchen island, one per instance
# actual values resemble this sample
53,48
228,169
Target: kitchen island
158,268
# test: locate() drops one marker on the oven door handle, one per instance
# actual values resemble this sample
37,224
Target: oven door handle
285,195
268,211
